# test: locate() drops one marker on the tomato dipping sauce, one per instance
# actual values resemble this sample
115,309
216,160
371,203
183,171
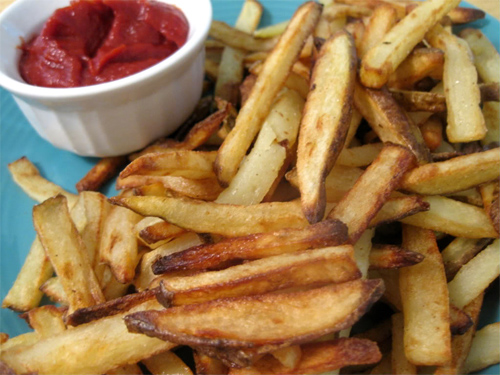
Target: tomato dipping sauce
96,41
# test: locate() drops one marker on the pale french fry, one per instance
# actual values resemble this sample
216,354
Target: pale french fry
390,122
316,267
465,121
384,58
360,156
427,336
334,10
47,320
239,39
224,219
491,114
372,189
486,57
69,351
66,251
490,199
118,247
324,126
453,217
460,344
270,155
459,252
271,30
420,63
456,174
484,350
399,207
273,325
383,18
158,232
166,363
20,341
25,293
475,276
267,86
261,245
230,73
54,290
399,362
27,176
100,173
289,357
321,357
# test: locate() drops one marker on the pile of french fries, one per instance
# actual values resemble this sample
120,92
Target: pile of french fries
344,158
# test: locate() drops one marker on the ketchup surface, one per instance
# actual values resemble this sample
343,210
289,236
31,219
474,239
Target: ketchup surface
96,41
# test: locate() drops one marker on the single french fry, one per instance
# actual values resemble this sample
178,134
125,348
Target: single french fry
156,232
324,126
100,173
239,39
427,336
390,122
384,58
254,246
491,114
475,276
456,174
54,290
273,325
372,189
47,320
25,293
271,30
484,350
267,86
453,217
360,156
490,199
26,175
432,131
66,251
459,252
390,256
486,57
465,121
383,18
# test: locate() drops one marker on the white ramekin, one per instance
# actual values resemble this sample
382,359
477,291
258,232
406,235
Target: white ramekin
111,118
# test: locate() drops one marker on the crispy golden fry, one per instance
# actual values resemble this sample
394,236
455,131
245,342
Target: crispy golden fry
459,252
270,156
432,132
66,251
176,162
254,246
27,176
360,156
239,39
384,58
420,63
316,267
224,219
389,121
25,293
486,57
289,356
456,174
132,369
360,205
383,18
54,290
158,232
104,170
206,365
118,247
69,352
399,361
333,11
465,122
231,65
271,30
267,86
484,350
460,344
166,363
453,217
390,256
47,320
475,276
427,336
324,126
320,357
276,319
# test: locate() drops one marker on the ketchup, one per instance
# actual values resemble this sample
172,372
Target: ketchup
96,41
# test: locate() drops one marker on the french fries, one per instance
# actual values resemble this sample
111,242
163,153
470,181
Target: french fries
334,167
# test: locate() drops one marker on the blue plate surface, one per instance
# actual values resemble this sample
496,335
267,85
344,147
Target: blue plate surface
17,139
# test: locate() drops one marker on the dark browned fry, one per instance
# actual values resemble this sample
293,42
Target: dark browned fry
390,256
460,321
103,171
159,232
254,246
206,365
319,357
261,322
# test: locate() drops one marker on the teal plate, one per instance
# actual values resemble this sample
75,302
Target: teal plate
17,139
